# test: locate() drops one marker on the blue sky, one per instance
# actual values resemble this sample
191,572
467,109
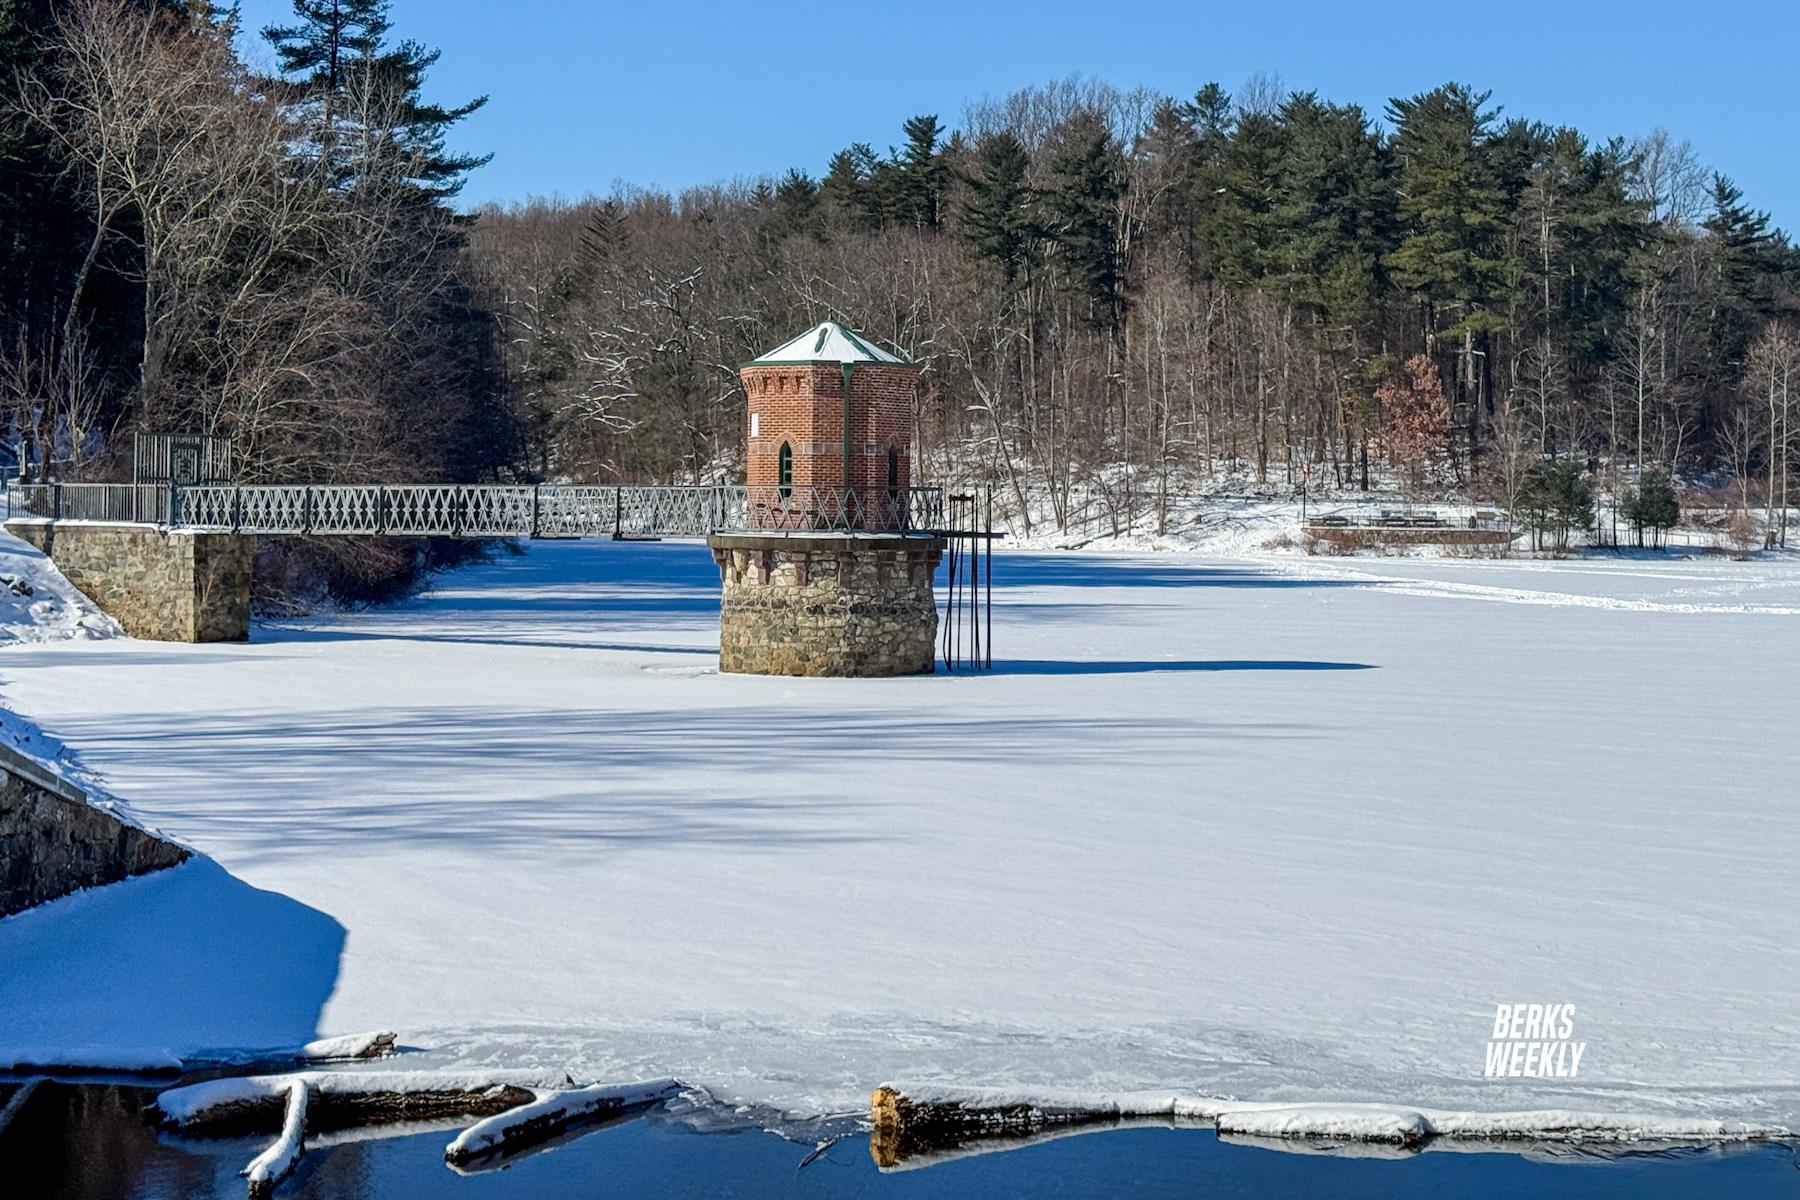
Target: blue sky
671,93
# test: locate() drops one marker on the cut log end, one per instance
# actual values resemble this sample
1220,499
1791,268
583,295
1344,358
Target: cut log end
378,1044
906,1128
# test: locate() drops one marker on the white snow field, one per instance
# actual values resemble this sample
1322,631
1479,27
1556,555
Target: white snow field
1285,832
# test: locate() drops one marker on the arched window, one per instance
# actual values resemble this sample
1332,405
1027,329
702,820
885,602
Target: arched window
893,467
784,470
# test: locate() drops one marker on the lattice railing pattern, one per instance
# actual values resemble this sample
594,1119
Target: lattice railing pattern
274,509
566,511
503,510
208,507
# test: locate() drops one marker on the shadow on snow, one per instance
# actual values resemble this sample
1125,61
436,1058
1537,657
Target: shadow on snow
1027,666
273,784
182,961
1026,569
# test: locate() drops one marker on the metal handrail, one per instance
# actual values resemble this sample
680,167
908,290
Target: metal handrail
127,503
504,510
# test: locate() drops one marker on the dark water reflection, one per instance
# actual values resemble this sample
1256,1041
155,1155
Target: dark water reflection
90,1143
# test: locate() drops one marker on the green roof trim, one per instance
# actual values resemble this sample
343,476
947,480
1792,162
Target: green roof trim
829,362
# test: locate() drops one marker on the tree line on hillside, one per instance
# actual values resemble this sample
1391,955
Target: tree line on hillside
1126,291
187,244
1111,292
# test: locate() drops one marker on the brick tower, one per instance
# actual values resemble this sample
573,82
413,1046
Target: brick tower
816,403
828,573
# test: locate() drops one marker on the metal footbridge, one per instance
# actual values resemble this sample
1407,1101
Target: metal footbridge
484,510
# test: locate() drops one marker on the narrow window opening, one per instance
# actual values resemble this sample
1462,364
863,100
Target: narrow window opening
784,471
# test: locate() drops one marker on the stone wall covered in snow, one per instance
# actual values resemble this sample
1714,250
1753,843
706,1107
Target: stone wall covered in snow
159,584
827,604
53,842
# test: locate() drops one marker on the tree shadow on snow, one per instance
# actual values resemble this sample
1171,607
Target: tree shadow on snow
273,634
183,961
545,597
514,780
1088,570
1025,666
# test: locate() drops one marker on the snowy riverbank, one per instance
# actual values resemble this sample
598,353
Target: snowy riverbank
1286,832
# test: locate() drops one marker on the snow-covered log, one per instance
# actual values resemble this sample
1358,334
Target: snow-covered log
273,1165
255,1103
549,1113
377,1044
913,1120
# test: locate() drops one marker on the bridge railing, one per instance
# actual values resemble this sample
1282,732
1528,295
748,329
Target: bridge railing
828,508
120,502
550,510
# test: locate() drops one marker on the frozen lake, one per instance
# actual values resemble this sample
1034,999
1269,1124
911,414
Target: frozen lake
1284,832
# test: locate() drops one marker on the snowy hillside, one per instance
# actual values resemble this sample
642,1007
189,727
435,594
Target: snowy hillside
38,605
1283,832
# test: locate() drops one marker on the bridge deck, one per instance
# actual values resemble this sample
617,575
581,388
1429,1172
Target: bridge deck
484,510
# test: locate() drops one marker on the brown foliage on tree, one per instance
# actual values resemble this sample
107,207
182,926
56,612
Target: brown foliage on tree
1415,416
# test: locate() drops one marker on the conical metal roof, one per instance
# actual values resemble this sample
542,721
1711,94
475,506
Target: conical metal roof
827,342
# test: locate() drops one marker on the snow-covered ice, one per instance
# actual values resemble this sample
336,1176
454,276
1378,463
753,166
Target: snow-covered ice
1283,831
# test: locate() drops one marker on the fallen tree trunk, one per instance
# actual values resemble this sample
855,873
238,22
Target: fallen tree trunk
274,1164
549,1113
341,1099
910,1121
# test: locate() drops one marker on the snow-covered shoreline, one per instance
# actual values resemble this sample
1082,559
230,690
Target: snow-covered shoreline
1367,1122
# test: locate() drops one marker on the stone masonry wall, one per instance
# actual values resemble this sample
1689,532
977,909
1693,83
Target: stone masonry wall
52,842
827,605
163,585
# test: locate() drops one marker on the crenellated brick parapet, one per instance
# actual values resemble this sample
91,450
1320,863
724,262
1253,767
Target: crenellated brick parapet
801,405
827,603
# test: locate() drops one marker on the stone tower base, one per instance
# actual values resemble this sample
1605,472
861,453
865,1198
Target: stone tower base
827,603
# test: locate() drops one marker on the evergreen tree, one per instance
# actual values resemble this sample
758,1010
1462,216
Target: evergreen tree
1210,115
998,218
1081,208
1451,212
371,115
1652,505
1556,501
1239,224
848,194
1743,258
1608,226
1333,217
922,174
1171,150
329,36
794,206
601,239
